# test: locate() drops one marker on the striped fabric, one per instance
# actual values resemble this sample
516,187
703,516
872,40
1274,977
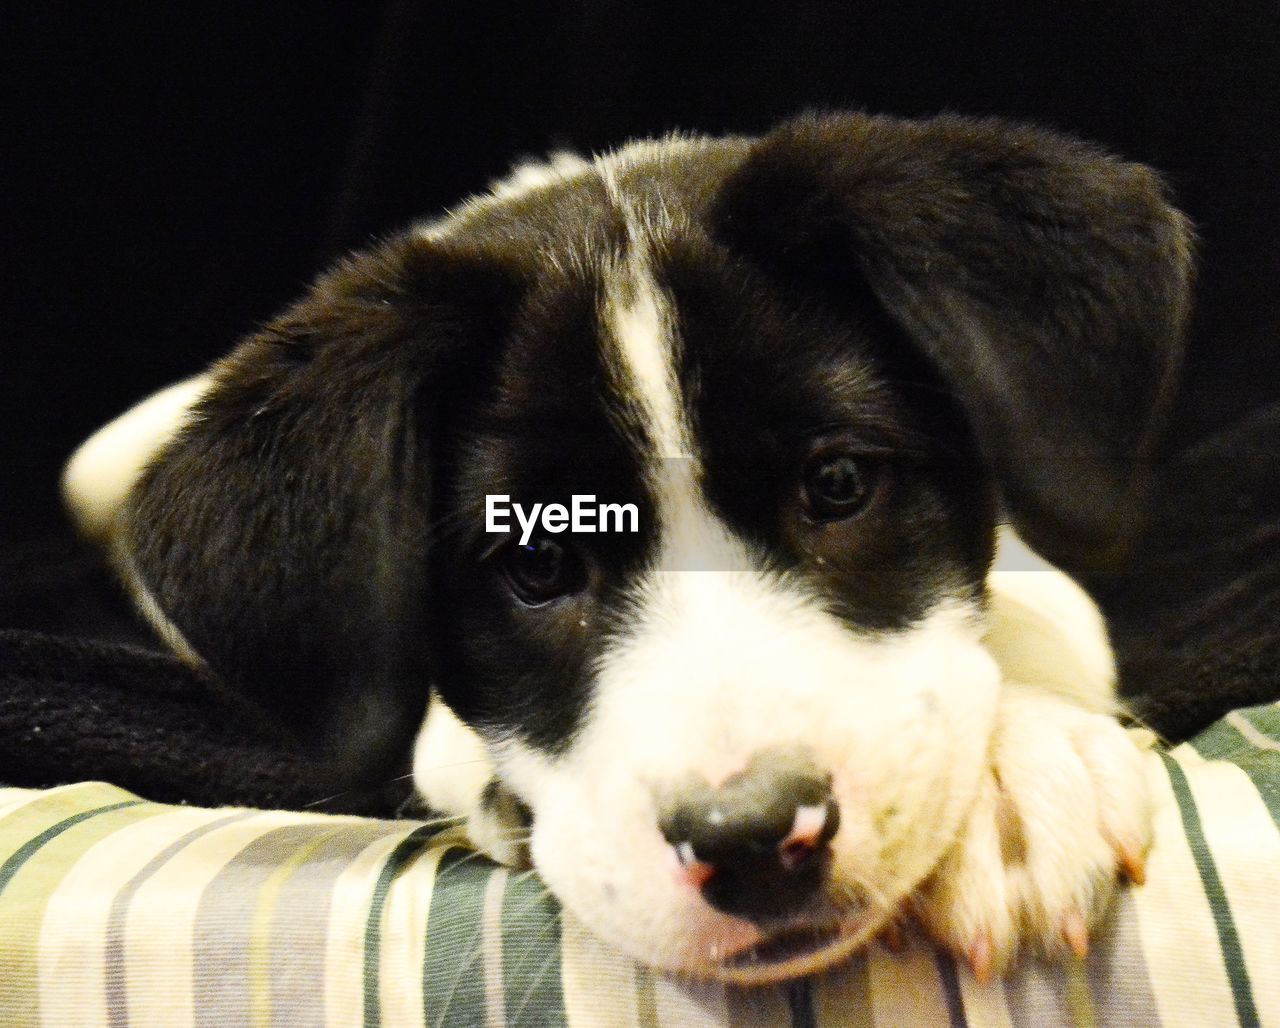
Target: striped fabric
115,911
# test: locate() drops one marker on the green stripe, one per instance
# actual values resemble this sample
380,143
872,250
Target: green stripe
1228,938
1220,742
453,993
531,953
408,848
405,851
28,849
1076,992
1262,766
28,820
1265,718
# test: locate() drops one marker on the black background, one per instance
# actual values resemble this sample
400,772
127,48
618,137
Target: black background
173,174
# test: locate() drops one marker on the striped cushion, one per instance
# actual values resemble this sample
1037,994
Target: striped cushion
118,911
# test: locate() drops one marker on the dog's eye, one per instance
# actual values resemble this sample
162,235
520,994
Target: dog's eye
836,485
541,570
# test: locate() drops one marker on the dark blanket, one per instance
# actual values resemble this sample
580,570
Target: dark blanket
1195,613
1195,617
73,710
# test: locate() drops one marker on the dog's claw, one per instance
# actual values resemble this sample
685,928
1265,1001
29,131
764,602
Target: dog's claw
1134,863
980,958
1076,934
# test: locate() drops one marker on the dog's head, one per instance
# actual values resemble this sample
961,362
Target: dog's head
819,364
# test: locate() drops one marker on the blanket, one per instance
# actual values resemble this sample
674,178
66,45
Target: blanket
118,911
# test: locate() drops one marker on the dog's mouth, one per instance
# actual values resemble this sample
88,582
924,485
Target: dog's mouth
798,950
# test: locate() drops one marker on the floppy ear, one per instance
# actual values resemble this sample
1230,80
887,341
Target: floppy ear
285,532
1047,283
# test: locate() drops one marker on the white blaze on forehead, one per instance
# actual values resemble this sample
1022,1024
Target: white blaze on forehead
693,538
639,318
641,329
640,322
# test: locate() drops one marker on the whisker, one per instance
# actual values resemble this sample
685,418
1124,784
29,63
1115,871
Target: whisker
441,767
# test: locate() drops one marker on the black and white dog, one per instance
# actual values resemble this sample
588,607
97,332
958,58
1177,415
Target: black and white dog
823,365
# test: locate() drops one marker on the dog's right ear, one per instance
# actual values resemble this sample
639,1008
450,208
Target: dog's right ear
283,534
1046,283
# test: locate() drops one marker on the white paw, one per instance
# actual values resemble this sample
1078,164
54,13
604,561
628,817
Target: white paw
1063,808
453,776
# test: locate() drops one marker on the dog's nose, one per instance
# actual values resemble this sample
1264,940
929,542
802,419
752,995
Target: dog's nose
757,846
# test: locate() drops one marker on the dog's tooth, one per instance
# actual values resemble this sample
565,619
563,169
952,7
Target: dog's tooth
684,850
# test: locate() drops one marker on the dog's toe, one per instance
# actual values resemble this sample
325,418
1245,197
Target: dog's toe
967,904
1063,808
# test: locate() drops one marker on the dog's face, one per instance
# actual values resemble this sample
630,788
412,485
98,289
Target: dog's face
815,364
815,526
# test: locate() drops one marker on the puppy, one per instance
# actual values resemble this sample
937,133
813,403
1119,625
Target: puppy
822,365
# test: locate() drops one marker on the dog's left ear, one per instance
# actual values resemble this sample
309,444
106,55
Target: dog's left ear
287,534
1048,284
